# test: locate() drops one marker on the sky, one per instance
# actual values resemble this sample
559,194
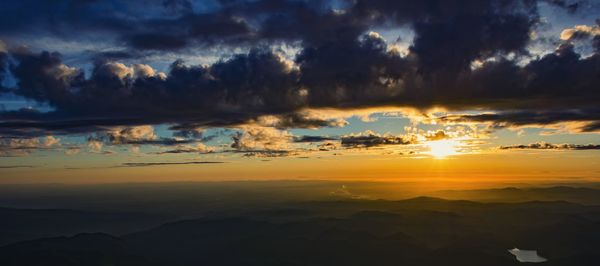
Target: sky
171,90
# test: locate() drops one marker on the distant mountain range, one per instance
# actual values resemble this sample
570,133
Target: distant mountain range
419,231
583,195
25,224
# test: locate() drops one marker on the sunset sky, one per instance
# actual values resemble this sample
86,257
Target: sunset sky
169,90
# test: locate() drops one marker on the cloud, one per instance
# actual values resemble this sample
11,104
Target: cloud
3,47
167,163
183,6
198,148
231,92
72,151
259,141
95,145
3,63
300,119
328,146
15,166
270,153
305,138
10,147
341,63
138,135
371,139
131,135
174,25
195,133
436,135
50,141
582,120
549,146
260,138
156,41
580,32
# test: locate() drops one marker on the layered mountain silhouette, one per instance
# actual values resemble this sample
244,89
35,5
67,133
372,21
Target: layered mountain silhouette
419,231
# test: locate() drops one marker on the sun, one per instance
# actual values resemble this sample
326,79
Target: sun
442,148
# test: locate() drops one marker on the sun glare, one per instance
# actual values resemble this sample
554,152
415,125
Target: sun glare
442,148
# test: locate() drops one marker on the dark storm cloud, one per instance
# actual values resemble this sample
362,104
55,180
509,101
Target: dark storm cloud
300,120
228,92
32,123
219,28
570,6
340,64
183,6
450,45
352,73
167,25
113,55
251,22
550,146
3,64
61,16
157,41
596,43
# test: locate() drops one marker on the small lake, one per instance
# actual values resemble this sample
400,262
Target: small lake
527,255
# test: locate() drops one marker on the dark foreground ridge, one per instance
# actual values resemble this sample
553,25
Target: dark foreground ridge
420,231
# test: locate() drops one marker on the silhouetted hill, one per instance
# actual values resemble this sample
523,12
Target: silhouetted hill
582,195
420,231
95,249
23,224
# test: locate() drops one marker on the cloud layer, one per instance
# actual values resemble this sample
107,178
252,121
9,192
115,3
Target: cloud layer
550,146
464,55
